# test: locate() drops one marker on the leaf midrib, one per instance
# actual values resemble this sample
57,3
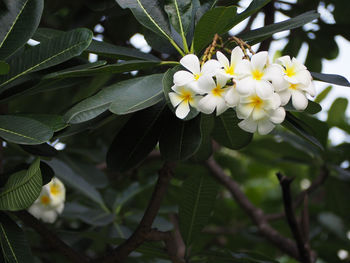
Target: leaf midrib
18,134
8,242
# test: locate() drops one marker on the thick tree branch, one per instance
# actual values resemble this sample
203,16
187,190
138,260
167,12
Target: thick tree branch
324,173
144,227
51,238
303,248
256,214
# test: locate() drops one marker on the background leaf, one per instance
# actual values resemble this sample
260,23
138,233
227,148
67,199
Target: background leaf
331,78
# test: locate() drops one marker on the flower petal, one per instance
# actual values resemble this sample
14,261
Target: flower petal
182,110
285,96
248,125
299,100
265,126
207,104
206,83
258,114
222,59
244,110
221,80
259,60
175,99
311,89
304,77
236,56
210,67
285,61
278,115
221,107
243,68
264,89
183,77
191,62
232,97
245,86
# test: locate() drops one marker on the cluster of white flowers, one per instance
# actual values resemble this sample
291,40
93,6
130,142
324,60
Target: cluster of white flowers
50,203
256,88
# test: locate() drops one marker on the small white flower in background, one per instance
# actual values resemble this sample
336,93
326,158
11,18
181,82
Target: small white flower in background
50,202
255,75
229,67
191,62
260,114
182,98
215,98
294,71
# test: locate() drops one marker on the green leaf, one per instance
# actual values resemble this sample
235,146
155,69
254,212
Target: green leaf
23,130
53,121
43,149
197,198
126,66
254,7
321,96
331,78
227,133
4,68
337,114
301,129
140,93
149,13
68,176
22,188
18,24
205,149
180,139
99,47
213,22
131,98
15,247
312,107
180,14
237,257
136,139
47,54
167,84
289,24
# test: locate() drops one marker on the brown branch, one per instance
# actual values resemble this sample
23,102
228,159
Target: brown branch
322,177
256,214
144,227
51,238
303,248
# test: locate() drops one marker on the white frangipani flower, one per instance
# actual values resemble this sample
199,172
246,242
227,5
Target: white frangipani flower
232,96
50,202
215,95
260,114
182,98
294,71
229,67
191,62
256,75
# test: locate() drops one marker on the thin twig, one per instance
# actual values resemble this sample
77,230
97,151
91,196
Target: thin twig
144,228
256,214
50,238
304,252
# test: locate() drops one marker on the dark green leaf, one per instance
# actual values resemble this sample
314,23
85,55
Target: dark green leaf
54,122
197,198
22,188
321,96
137,139
289,24
301,129
14,245
205,149
180,14
18,24
312,107
47,173
149,13
43,149
48,53
213,22
4,68
337,114
95,105
167,84
180,139
331,78
227,133
23,130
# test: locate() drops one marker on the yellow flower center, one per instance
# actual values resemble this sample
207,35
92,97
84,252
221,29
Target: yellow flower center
45,200
186,96
256,102
257,74
290,71
197,76
230,70
55,189
217,91
293,86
